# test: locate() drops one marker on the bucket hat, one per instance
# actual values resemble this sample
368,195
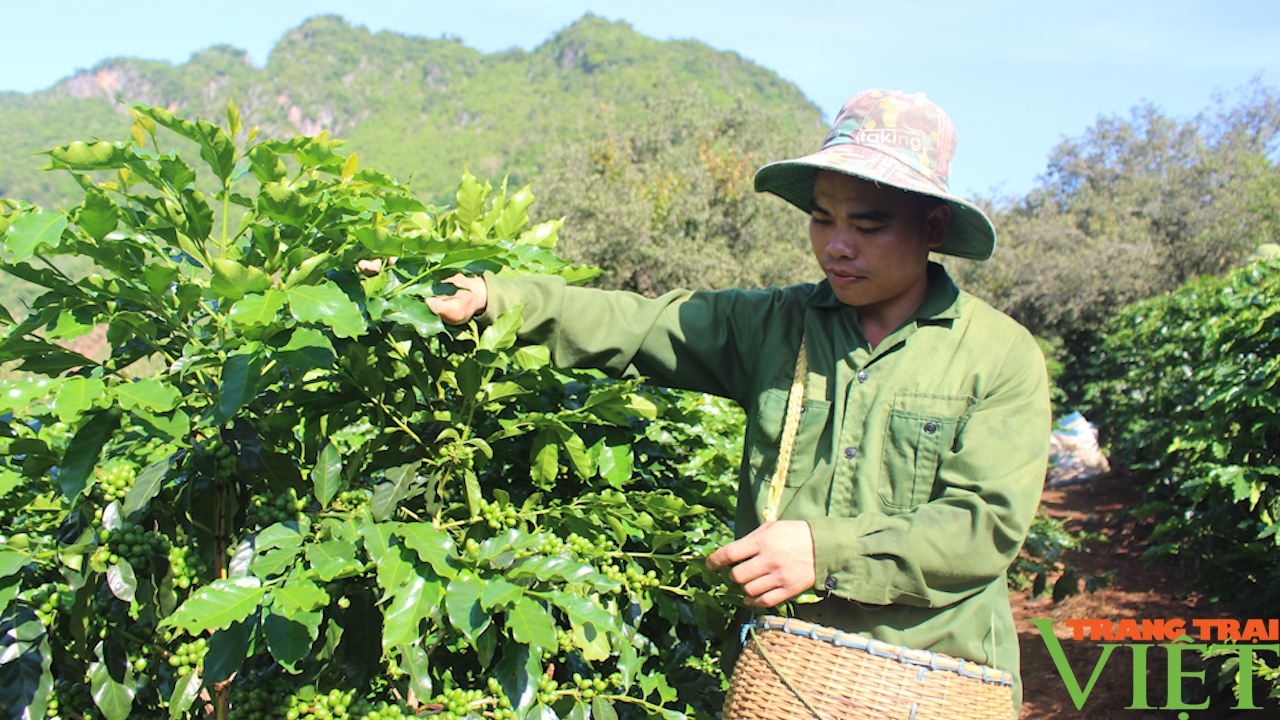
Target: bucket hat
890,138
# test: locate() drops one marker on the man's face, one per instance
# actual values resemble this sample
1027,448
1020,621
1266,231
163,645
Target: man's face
873,243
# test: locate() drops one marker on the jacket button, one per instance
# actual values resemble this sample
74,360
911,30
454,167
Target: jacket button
931,427
863,376
830,583
850,452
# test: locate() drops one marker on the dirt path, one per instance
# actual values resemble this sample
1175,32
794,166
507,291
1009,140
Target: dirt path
1136,591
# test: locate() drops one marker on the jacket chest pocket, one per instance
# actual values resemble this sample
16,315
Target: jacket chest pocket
765,438
921,430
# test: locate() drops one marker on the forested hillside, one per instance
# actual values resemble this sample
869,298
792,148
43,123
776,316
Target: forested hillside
412,106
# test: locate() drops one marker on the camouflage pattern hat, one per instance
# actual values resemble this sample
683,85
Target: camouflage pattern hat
889,138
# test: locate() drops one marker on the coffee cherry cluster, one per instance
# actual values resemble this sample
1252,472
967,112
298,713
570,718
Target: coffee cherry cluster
331,706
459,703
503,710
633,578
59,432
383,711
252,704
223,457
353,499
588,688
116,481
499,517
575,544
564,638
45,600
267,510
133,543
187,566
109,613
707,663
189,656
71,700
548,688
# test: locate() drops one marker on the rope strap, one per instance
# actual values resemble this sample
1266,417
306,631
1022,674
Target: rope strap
778,671
795,405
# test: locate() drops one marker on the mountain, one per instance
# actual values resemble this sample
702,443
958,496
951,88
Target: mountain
410,106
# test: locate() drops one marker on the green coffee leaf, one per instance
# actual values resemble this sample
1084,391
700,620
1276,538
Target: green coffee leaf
326,476
185,690
232,281
543,235
258,310
76,395
233,118
147,393
217,605
413,312
145,486
530,623
290,636
216,148
114,699
11,561
98,214
515,214
414,663
502,333
332,559
266,165
17,395
389,493
328,305
100,155
470,199
546,457
227,651
298,595
378,239
240,376
602,709
576,450
307,349
82,453
412,602
310,270
34,231
432,546
462,600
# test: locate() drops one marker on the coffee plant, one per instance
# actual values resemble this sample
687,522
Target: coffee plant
286,490
1186,387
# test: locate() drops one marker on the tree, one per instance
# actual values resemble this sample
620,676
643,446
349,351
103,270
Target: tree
665,199
1135,207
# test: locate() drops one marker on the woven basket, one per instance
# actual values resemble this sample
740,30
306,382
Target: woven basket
792,669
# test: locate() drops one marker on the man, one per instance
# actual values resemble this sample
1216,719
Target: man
921,447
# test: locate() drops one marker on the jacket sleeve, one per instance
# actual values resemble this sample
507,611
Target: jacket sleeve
986,492
684,339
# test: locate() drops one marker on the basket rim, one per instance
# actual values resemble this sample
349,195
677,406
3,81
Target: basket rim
921,658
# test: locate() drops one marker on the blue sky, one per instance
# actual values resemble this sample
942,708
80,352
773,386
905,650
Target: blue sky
1017,76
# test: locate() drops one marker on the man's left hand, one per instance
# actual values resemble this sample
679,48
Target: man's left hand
772,564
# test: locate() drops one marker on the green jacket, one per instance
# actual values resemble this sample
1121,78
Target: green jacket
918,465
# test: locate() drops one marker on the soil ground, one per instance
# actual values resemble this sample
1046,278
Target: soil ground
1137,590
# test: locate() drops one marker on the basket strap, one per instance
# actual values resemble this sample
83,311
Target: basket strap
778,671
795,405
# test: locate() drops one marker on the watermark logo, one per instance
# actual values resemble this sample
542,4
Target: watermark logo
1139,637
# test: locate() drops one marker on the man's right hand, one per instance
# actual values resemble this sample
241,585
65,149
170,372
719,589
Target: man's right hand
471,298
